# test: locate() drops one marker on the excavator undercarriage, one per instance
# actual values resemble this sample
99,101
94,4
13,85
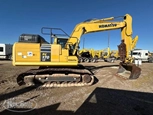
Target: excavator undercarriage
56,77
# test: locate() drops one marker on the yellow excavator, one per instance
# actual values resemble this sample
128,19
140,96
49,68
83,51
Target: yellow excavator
106,53
110,55
115,54
88,55
58,60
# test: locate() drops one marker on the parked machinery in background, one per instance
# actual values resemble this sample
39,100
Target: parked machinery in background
89,55
109,55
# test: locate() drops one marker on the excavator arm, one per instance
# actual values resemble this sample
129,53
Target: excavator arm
105,24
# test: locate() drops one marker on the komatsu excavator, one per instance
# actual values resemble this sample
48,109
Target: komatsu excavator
58,61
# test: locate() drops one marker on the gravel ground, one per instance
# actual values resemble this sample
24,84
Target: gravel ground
110,95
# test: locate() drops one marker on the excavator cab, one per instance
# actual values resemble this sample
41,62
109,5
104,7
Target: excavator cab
61,41
127,70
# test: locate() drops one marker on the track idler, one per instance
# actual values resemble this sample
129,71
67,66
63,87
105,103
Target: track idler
128,71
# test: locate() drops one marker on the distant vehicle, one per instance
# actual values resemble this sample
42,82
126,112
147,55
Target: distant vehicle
143,55
6,51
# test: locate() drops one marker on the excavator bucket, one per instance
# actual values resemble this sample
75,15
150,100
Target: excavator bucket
128,71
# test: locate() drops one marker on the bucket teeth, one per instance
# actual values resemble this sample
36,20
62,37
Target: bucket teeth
121,69
129,71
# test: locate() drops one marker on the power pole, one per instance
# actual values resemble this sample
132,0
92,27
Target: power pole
108,38
83,42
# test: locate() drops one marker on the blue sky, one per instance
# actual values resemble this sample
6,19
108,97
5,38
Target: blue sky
28,16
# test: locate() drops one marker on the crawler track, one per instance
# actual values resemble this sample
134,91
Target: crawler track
56,77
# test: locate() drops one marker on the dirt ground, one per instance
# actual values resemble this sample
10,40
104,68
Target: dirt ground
110,95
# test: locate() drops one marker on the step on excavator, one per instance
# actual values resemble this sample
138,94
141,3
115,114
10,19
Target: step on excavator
58,61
